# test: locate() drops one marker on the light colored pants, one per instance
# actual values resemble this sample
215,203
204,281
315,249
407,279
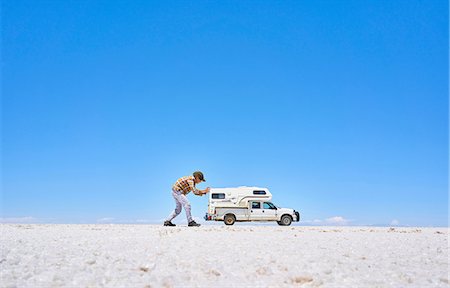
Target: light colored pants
180,200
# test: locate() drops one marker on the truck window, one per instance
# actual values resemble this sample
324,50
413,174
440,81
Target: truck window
218,196
259,192
256,205
268,205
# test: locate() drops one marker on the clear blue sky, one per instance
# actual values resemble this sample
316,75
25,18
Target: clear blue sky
339,107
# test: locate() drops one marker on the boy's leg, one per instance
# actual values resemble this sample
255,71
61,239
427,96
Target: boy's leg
177,210
187,206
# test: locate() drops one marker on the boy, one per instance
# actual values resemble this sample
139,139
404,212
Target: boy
180,189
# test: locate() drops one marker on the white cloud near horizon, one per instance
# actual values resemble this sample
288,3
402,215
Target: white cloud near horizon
105,220
19,220
112,220
335,220
394,222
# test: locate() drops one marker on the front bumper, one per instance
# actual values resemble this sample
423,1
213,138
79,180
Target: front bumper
298,215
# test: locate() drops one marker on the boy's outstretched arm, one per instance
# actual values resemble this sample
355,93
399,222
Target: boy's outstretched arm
205,191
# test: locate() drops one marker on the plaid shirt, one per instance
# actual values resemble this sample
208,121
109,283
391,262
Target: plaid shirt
185,185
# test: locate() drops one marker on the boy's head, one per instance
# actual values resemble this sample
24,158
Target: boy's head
198,177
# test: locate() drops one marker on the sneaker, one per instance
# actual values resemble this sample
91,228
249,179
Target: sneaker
168,223
193,224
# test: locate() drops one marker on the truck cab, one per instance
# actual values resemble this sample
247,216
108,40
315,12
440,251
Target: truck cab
246,204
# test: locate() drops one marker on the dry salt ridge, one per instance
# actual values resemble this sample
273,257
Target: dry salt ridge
105,255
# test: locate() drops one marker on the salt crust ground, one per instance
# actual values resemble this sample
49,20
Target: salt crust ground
222,256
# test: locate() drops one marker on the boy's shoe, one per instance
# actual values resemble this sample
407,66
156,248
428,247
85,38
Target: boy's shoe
168,223
193,224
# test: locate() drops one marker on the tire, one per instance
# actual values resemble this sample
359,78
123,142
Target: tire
286,220
279,223
229,219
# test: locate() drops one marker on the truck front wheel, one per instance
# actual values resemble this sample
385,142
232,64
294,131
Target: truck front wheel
229,219
286,220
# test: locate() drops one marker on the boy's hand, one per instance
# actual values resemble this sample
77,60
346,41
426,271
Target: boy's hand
207,190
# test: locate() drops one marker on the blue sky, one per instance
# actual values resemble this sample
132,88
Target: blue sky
340,108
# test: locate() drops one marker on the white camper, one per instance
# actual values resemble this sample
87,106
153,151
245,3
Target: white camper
246,204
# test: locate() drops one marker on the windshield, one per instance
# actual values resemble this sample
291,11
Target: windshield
268,205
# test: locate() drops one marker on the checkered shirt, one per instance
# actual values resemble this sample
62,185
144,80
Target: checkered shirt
185,185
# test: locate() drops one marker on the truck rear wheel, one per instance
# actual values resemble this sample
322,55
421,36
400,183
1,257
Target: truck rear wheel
229,219
286,220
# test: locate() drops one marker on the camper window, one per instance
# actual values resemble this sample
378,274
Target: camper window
259,192
256,205
218,196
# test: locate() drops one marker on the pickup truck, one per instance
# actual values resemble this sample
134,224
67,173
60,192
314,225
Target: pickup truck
247,204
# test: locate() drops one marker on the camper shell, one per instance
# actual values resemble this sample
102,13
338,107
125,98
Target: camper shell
246,204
